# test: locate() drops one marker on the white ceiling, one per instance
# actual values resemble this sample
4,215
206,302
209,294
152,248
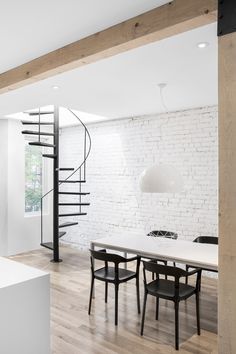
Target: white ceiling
30,28
67,118
121,86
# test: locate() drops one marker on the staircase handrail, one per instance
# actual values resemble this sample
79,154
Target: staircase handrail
85,158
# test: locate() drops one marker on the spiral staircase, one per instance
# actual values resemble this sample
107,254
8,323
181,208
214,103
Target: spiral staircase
78,173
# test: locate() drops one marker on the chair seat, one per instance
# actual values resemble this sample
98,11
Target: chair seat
108,274
166,289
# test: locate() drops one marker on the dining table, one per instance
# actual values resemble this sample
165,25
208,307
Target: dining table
182,251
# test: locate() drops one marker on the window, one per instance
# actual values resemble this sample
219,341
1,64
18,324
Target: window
33,178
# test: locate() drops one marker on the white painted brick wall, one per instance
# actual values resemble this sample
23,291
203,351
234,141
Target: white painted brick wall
121,149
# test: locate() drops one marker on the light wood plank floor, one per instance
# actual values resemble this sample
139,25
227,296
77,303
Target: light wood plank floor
74,332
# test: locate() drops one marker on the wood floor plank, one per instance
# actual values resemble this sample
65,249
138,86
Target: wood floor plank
74,332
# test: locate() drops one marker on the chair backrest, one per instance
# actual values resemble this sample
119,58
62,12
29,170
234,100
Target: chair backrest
163,233
102,255
159,269
207,239
174,272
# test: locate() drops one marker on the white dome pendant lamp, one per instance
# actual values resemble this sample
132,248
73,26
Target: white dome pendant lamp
161,178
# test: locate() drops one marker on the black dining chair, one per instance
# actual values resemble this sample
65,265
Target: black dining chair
113,274
203,239
165,234
172,290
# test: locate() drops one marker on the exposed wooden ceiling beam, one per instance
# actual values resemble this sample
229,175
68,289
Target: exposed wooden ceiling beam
159,23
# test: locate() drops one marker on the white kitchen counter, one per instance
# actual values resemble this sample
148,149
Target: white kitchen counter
24,309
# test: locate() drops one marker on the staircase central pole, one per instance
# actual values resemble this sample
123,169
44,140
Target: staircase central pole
56,187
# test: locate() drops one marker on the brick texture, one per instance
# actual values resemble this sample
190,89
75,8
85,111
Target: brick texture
121,149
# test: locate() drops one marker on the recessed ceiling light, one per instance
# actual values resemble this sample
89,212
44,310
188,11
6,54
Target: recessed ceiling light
202,45
55,87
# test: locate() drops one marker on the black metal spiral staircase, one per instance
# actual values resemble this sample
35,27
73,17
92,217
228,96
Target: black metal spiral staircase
79,172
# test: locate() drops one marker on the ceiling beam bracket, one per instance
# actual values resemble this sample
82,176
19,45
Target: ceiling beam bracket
226,17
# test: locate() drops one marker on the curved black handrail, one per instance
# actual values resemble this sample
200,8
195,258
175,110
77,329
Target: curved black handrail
85,158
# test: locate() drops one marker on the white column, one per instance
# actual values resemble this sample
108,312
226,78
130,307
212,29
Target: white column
227,194
3,186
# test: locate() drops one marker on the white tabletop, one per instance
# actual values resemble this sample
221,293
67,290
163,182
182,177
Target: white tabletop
12,272
187,252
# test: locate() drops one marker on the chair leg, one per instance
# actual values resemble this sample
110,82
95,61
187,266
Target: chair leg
186,279
91,295
157,308
199,287
106,291
116,303
198,314
138,294
165,263
177,325
153,276
144,310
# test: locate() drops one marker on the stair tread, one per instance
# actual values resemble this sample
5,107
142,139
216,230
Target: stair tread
40,143
61,233
67,224
50,156
48,245
32,132
65,169
71,181
72,214
74,193
68,204
37,113
25,122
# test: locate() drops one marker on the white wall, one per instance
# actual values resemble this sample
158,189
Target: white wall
121,150
3,186
19,233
